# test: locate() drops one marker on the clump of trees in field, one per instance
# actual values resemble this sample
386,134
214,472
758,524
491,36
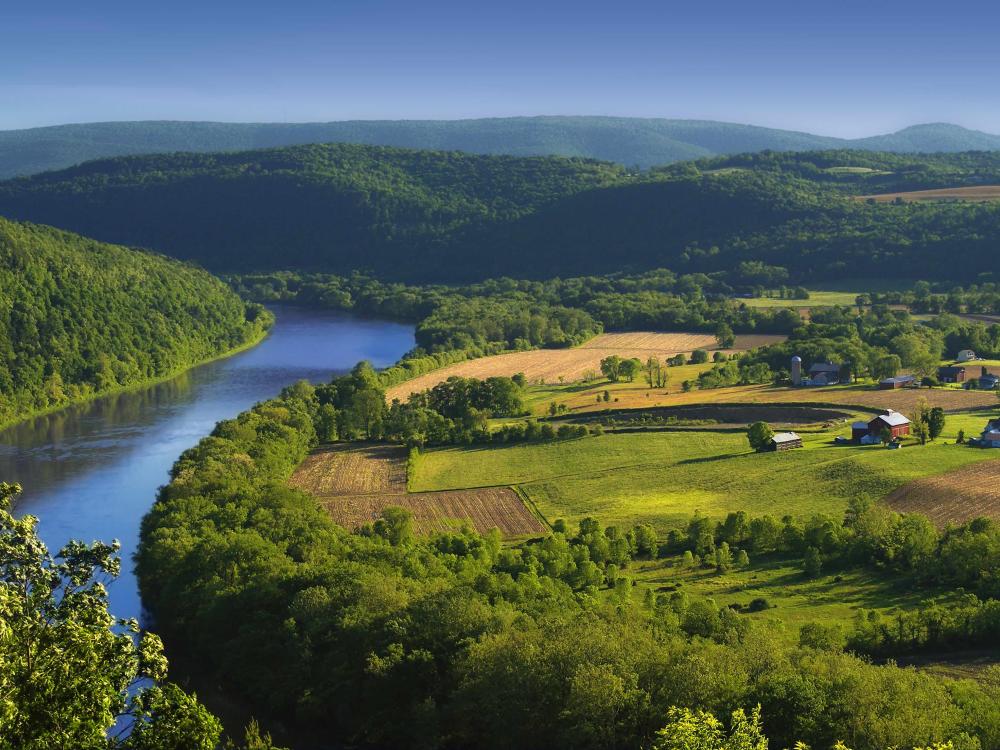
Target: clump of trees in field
456,411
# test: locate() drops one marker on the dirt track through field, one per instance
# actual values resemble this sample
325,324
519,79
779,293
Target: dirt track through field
548,365
955,496
355,483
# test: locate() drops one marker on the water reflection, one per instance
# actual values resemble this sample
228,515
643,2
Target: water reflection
91,471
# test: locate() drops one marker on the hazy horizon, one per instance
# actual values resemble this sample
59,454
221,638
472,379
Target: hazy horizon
851,70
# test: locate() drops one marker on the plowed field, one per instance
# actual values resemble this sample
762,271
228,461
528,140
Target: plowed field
355,483
953,497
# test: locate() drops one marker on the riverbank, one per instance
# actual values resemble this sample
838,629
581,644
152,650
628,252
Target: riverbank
138,386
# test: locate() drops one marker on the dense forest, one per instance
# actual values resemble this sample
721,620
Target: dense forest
448,216
384,639
79,318
643,142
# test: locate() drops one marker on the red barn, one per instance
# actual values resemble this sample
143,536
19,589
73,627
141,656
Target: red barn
896,423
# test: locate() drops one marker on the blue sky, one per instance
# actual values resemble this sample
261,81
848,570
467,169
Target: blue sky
839,68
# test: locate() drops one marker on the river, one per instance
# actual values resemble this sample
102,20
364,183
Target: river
91,471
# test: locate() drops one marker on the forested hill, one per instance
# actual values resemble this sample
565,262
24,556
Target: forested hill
631,141
450,216
79,318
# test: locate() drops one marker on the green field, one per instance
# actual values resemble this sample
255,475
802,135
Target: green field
795,600
663,478
816,299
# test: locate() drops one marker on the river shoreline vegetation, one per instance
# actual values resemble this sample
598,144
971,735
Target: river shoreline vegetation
83,319
480,643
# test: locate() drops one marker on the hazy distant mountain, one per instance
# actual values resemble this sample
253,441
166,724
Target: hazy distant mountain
629,141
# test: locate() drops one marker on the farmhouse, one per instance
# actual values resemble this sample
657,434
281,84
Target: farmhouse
966,355
991,435
900,381
871,432
822,373
784,441
952,374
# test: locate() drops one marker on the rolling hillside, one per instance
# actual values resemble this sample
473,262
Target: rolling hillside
451,216
81,318
630,141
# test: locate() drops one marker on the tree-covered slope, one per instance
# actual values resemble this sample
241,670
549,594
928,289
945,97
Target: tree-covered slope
450,216
330,207
79,318
632,141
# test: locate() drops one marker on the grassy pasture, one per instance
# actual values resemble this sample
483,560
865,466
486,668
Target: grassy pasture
816,299
795,600
663,478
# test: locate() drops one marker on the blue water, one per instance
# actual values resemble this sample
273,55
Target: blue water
91,472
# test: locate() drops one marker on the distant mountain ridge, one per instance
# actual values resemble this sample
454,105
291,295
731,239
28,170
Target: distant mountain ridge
643,142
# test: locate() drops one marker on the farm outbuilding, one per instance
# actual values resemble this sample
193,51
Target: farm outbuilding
951,374
784,441
823,373
966,355
859,430
896,423
900,381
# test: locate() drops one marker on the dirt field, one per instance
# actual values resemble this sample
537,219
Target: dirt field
548,365
355,483
346,469
486,509
954,497
976,193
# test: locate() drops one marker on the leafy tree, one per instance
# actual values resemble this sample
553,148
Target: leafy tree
723,558
611,367
759,435
699,357
935,422
688,729
812,563
742,559
69,671
724,336
629,368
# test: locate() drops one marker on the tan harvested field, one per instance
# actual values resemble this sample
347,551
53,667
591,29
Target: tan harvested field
355,483
351,469
485,509
548,365
955,496
976,193
903,400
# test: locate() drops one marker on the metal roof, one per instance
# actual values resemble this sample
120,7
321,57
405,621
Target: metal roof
785,437
859,426
893,419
